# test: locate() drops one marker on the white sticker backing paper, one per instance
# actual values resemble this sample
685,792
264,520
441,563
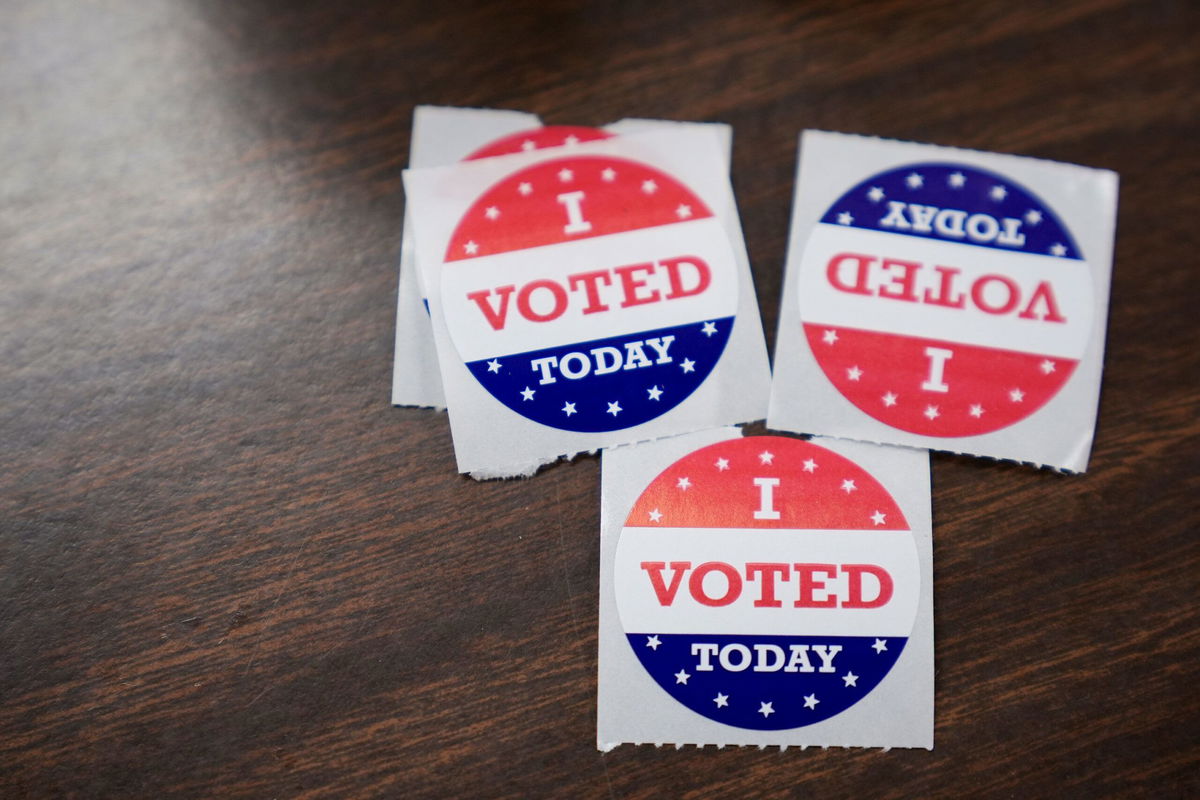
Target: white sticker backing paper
587,295
765,590
945,298
440,136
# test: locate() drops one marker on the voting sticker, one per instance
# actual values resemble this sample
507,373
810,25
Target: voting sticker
575,346
591,289
950,296
772,585
944,300
444,135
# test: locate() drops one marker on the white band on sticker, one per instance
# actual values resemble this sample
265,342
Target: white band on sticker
700,587
562,294
1027,302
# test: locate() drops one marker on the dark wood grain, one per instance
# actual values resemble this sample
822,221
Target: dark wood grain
228,568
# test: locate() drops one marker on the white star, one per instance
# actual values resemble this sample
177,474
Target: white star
492,212
848,485
1058,249
766,457
998,193
525,189
854,373
471,248
684,211
765,709
880,645
721,700
889,399
1033,216
568,409
851,679
652,642
608,174
976,410
682,677
655,515
709,328
914,180
654,392
879,518
565,174
528,145
810,465
688,365
875,195
830,337
1016,395
722,464
1046,367
493,366
845,218
649,187
683,483
527,393
932,412
570,140
956,180
810,701
614,408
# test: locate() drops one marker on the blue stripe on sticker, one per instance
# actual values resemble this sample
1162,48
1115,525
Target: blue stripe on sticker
766,682
955,203
607,384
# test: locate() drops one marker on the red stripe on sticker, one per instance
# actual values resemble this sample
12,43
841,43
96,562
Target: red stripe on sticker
571,198
766,482
934,387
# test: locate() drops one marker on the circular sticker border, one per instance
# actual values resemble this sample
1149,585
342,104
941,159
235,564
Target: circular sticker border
671,659
888,375
670,362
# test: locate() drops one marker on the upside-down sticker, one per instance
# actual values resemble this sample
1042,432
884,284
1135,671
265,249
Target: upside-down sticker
946,299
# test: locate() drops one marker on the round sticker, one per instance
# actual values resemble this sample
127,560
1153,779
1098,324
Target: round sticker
945,300
766,582
589,293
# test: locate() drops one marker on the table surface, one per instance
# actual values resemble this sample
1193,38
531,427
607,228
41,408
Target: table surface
229,568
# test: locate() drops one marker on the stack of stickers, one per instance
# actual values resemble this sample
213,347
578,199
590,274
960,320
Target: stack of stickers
566,290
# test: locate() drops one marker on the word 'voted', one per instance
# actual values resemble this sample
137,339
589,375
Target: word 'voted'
812,583
910,281
547,299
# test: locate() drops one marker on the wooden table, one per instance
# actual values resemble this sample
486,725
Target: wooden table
228,568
